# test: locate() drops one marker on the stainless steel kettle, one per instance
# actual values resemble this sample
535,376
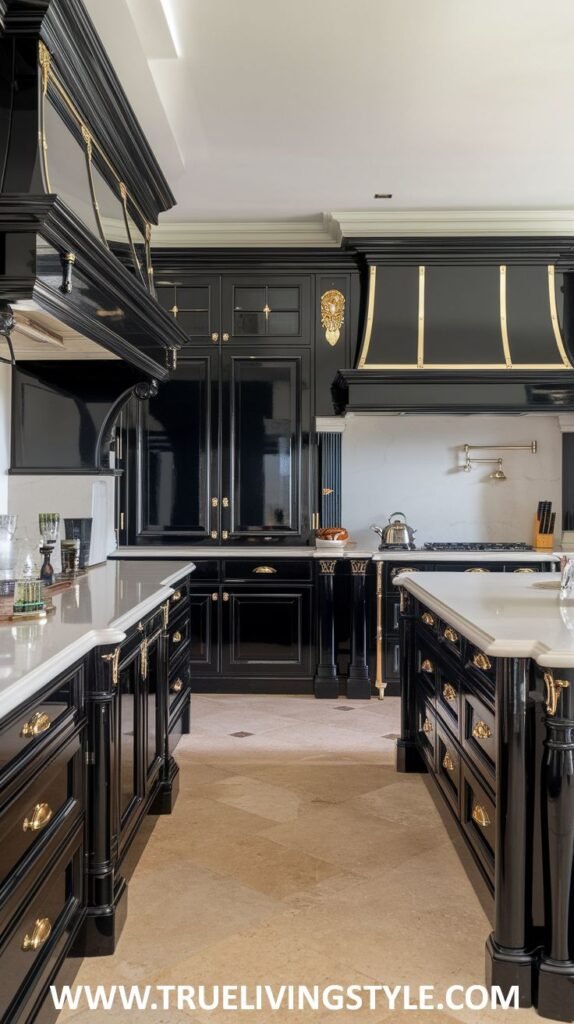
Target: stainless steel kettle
397,533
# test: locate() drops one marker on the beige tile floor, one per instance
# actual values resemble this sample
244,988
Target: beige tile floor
297,855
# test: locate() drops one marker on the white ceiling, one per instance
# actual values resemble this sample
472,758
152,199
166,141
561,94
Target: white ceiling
284,110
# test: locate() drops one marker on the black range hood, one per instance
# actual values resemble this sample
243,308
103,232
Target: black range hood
465,332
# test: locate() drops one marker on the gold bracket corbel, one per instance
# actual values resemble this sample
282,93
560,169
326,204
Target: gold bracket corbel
554,688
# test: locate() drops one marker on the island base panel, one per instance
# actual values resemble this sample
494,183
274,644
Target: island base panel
167,791
409,759
556,990
103,926
507,968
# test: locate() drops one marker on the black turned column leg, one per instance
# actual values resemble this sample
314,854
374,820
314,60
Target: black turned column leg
408,757
326,681
359,684
510,956
106,891
169,775
556,977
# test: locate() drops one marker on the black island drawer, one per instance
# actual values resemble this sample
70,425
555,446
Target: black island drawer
479,735
478,819
448,767
272,570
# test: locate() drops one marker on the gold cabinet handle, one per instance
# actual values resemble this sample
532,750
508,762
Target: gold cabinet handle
524,570
225,502
427,666
215,337
215,596
177,596
553,690
225,596
481,731
427,725
264,569
40,935
448,763
450,634
225,534
213,534
114,657
477,569
449,692
481,661
41,815
214,502
144,660
177,637
177,686
39,723
225,336
428,619
480,816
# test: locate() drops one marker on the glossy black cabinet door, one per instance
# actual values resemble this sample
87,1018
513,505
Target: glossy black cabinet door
177,474
265,434
266,310
130,732
266,633
195,302
204,649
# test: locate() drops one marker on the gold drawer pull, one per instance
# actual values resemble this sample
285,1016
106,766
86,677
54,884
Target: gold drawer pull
177,686
176,596
427,725
481,661
225,596
39,723
480,816
449,692
266,570
428,619
524,570
41,815
481,731
114,657
448,763
427,666
477,569
40,935
450,634
553,690
177,637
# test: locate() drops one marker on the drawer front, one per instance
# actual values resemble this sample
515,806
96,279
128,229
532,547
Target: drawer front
478,819
178,684
452,640
179,634
259,570
448,767
392,613
479,734
392,658
38,930
205,569
448,700
29,733
426,731
48,803
179,597
480,663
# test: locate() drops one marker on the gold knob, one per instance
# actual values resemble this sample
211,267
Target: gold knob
225,596
214,596
215,337
225,336
477,569
264,569
41,815
214,502
449,692
225,502
448,763
40,934
481,661
428,619
213,535
177,637
524,570
427,725
224,534
450,634
481,731
39,723
176,686
177,596
427,666
480,816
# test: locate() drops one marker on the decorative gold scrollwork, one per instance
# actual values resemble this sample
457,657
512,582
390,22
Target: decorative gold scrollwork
359,567
427,725
428,619
114,657
449,692
481,661
264,570
450,634
328,566
144,659
480,816
481,731
554,688
45,59
427,666
332,314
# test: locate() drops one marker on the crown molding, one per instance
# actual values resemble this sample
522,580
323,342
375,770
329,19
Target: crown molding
403,223
246,234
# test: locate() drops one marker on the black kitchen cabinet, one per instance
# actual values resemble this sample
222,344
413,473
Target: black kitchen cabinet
204,650
267,633
195,302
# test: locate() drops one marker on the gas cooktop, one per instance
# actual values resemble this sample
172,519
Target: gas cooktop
477,546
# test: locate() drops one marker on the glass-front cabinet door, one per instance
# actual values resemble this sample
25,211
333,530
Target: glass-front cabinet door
194,301
177,474
265,429
269,311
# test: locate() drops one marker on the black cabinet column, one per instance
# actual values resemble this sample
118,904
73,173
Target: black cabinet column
359,684
326,681
408,757
509,954
169,780
556,978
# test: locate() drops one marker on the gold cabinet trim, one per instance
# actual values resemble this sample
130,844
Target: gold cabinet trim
427,726
114,658
264,570
427,666
428,619
450,634
448,763
481,661
554,689
39,723
480,816
449,692
481,730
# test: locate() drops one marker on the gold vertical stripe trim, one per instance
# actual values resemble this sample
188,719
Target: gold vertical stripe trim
421,320
503,320
554,317
369,321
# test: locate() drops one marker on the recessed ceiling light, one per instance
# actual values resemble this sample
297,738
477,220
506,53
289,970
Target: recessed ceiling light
383,195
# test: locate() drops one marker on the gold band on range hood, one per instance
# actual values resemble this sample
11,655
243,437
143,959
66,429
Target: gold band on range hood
420,364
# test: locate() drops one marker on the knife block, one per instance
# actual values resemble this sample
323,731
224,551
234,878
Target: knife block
542,541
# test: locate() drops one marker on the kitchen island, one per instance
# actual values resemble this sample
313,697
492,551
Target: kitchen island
93,699
487,708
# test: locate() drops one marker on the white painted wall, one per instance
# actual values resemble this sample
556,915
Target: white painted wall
5,404
410,464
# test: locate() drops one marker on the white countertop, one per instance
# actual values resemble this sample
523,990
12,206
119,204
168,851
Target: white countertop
465,556
96,610
277,551
212,551
505,615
